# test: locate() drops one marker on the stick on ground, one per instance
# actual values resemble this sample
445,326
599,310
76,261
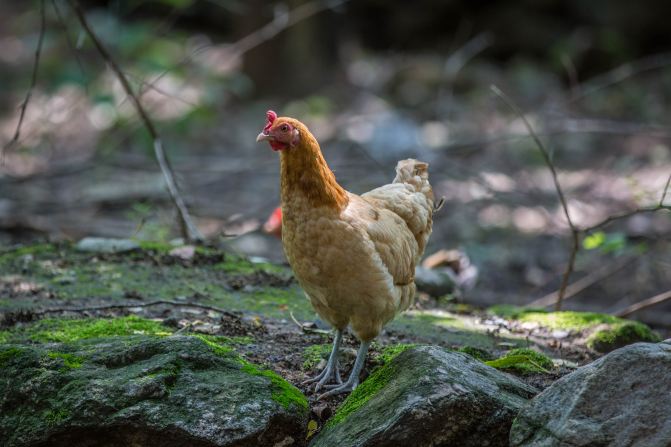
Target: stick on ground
132,305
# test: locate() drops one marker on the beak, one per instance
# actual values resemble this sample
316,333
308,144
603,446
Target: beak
264,137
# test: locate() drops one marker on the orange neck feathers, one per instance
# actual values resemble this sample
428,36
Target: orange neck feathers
304,172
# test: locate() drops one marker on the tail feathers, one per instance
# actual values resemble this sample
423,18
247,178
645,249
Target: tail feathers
415,173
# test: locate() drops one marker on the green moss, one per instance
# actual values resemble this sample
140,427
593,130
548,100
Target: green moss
555,320
70,361
523,360
362,394
620,334
55,417
28,250
509,311
568,319
282,392
68,330
9,353
314,354
277,303
390,352
444,327
157,246
219,348
229,340
238,265
477,353
71,275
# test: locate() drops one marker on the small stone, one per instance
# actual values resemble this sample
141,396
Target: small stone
529,325
559,334
184,253
106,245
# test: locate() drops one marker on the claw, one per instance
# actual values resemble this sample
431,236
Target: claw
339,389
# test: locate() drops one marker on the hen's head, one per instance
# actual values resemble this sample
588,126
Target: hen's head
282,133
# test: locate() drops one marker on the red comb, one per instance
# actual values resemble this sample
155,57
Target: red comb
270,119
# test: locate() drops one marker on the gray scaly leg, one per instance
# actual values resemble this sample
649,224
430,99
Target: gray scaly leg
353,380
332,369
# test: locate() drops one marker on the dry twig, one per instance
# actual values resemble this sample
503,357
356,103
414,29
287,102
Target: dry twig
575,288
132,305
33,82
304,328
189,230
652,301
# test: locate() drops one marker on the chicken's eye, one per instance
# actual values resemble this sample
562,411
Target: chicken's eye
284,128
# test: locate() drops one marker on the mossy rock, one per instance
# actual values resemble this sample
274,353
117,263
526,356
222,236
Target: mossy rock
606,338
425,394
621,399
603,332
143,390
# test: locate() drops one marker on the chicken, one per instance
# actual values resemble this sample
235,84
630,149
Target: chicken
354,256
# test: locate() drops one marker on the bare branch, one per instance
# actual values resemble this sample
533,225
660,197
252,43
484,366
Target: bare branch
132,305
455,63
572,74
71,44
33,82
575,246
626,214
621,73
666,190
652,301
189,230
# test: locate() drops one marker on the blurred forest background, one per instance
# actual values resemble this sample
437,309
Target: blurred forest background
376,81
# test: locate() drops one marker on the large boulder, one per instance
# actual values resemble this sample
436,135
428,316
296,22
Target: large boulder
143,391
622,399
428,396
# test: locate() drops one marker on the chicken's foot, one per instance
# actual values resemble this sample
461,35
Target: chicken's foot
332,369
353,380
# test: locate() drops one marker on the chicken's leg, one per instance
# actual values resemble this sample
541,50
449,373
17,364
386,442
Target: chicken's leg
353,380
332,369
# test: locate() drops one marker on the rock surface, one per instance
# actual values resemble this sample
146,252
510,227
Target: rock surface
142,390
622,399
429,396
